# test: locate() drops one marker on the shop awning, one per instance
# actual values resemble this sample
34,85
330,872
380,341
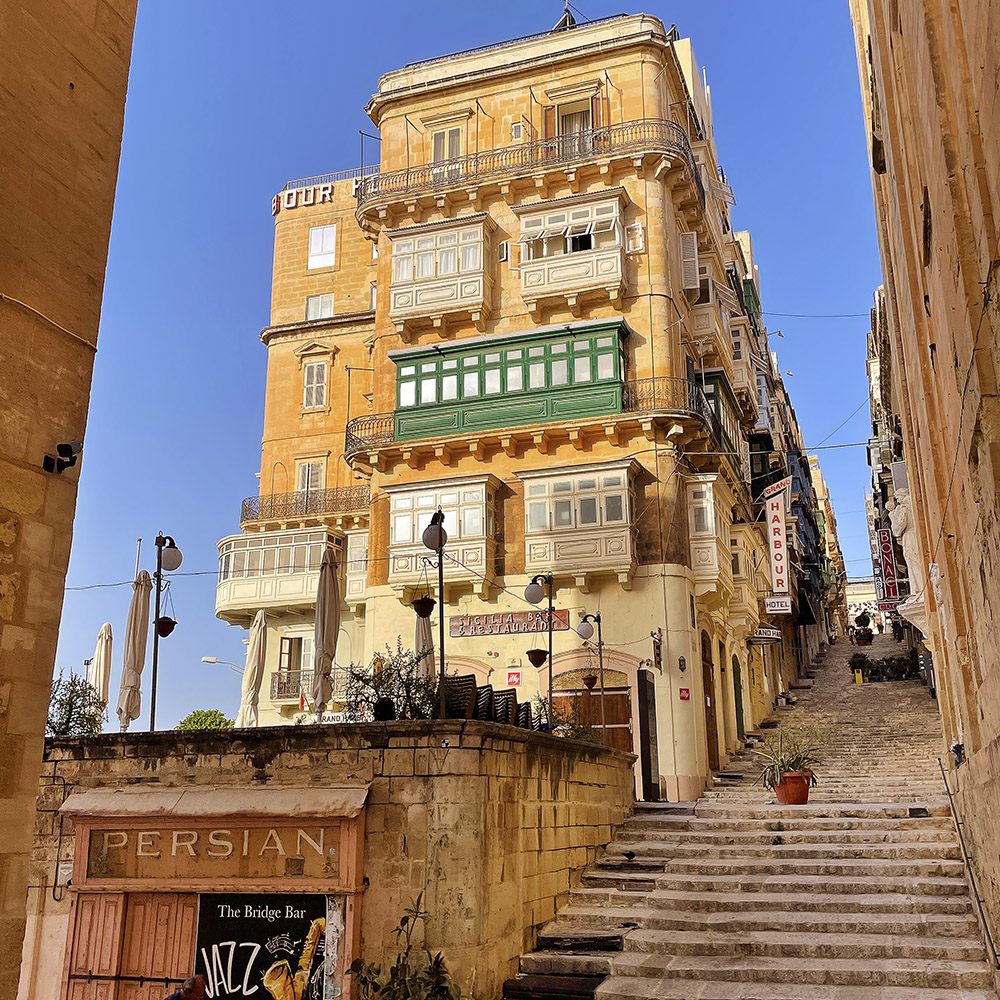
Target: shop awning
214,800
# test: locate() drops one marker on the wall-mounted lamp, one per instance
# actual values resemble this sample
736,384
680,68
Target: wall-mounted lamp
681,664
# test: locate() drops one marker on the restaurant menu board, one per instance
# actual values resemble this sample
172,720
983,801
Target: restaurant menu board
285,946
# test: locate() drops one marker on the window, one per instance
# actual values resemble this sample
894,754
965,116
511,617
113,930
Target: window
322,247
310,475
314,385
372,295
600,499
469,512
491,372
319,306
702,515
437,255
446,144
374,250
295,654
271,554
734,547
571,230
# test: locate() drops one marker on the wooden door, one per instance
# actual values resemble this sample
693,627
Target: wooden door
708,682
585,706
158,944
648,751
95,946
138,946
738,696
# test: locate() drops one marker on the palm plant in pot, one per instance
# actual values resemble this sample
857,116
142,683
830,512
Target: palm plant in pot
787,768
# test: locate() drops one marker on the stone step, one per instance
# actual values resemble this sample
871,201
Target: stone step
624,918
910,972
551,987
635,988
783,944
682,825
800,901
859,868
824,810
762,835
912,850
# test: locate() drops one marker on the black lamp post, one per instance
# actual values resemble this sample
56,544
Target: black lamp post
435,537
533,593
586,631
169,558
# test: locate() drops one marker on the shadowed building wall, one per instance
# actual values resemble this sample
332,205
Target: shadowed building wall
64,70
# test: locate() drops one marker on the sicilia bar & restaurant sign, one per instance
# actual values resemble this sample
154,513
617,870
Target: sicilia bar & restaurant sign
507,623
214,851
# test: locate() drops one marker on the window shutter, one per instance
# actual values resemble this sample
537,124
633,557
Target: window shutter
454,143
689,368
634,241
595,111
319,384
689,261
438,153
548,122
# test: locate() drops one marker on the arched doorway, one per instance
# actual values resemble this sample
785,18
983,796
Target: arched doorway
711,720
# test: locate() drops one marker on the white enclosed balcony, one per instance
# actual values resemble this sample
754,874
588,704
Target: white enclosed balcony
273,571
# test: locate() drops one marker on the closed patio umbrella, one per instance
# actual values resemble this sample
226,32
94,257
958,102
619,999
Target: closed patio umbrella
423,639
136,629
99,672
253,673
327,628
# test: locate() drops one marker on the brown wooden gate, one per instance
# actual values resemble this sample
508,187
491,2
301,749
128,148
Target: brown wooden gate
131,946
708,682
585,706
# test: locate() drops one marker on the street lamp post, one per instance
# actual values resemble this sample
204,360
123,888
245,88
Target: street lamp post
586,631
435,537
169,558
228,663
533,593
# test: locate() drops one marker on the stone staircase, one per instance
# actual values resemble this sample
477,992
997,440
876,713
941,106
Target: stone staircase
861,894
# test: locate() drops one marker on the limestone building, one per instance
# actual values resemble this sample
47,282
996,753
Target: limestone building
533,314
928,80
64,68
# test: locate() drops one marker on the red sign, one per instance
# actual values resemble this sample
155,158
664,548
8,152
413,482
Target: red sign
774,508
685,694
513,678
887,560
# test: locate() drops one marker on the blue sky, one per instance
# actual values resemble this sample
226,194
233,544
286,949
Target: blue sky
228,100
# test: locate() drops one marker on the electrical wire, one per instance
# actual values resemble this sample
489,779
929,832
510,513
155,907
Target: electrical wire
854,413
866,315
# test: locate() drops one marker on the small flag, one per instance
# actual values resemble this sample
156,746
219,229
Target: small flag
302,701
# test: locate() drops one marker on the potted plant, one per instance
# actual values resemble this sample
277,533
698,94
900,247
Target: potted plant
864,636
787,769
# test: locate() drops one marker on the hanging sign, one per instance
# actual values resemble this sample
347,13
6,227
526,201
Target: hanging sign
281,945
777,605
507,623
779,487
887,562
765,636
774,514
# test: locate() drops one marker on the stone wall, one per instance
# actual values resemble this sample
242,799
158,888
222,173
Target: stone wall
493,823
64,67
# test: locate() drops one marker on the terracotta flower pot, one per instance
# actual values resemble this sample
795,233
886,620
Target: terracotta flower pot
793,789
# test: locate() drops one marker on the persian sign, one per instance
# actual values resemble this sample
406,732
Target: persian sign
283,946
887,563
216,852
777,605
507,623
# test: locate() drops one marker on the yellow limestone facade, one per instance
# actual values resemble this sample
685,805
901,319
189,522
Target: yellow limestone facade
525,315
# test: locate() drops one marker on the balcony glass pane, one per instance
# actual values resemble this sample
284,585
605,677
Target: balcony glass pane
472,522
559,373
538,516
536,376
407,393
425,265
470,257
515,378
448,261
492,381
428,390
563,510
470,384
299,558
492,359
449,387
614,509
581,369
605,366
402,528
402,269
588,510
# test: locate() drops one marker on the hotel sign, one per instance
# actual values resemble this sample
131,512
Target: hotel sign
765,636
507,623
214,852
317,194
774,513
778,605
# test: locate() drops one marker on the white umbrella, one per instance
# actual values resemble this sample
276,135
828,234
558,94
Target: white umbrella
423,639
327,628
99,672
253,673
136,629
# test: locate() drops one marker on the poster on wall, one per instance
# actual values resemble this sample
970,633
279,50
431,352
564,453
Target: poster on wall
285,946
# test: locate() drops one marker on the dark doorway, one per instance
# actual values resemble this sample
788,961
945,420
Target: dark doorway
648,753
708,681
738,696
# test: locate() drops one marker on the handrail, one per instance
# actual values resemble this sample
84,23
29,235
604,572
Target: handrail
643,135
304,503
968,867
341,175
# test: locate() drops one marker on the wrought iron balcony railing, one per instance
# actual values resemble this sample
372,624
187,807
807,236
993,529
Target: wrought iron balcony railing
646,395
289,684
276,506
650,135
